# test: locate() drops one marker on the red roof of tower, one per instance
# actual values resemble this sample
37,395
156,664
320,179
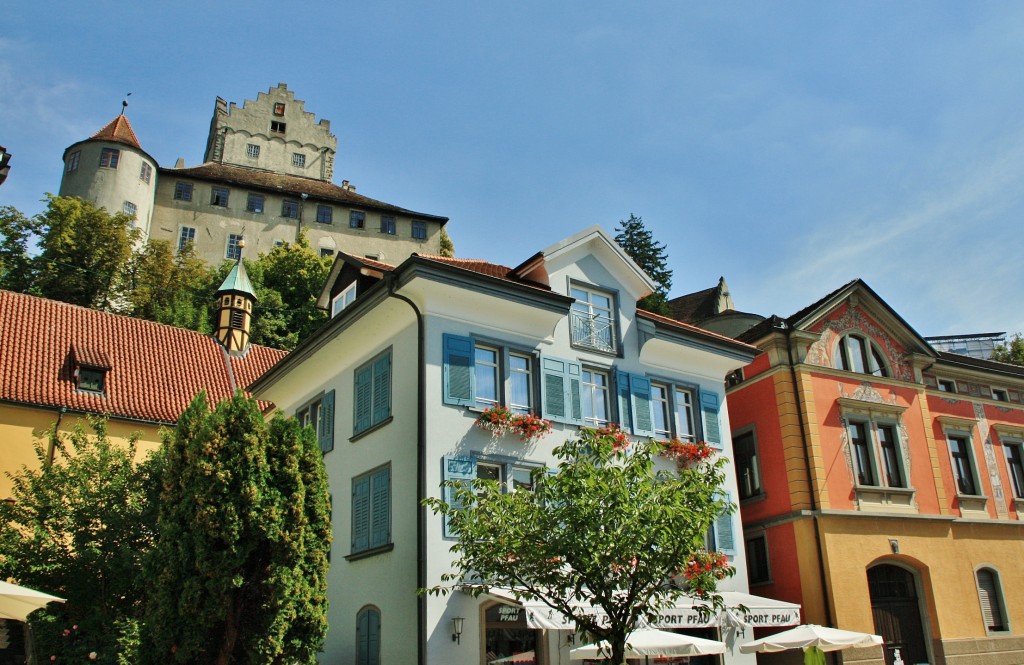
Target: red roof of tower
118,130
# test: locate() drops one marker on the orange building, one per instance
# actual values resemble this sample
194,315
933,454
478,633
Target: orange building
881,481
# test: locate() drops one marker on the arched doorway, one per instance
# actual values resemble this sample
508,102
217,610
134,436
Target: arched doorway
897,613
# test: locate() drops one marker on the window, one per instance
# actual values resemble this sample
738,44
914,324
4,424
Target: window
91,379
592,319
685,429
319,414
947,386
485,375
234,249
510,475
186,237
855,353
373,393
109,158
892,465
595,398
277,126
290,209
279,109
130,209
254,203
326,251
324,214
875,448
1015,467
298,159
661,411
343,299
252,151
356,219
990,596
999,395
73,160
367,624
758,570
182,191
387,225
963,467
371,510
861,453
419,229
219,197
146,173
748,468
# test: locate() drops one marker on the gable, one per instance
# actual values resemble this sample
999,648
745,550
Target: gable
592,256
852,318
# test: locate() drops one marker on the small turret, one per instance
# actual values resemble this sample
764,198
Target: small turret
235,300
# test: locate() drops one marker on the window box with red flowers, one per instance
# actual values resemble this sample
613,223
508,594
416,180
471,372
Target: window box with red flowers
500,421
686,452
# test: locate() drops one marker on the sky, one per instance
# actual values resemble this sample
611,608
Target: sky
787,146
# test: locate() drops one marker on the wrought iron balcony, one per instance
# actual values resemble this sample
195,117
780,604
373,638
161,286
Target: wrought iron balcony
594,331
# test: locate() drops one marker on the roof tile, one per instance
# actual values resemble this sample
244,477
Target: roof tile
118,130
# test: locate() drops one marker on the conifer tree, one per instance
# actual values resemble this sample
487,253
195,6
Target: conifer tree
651,256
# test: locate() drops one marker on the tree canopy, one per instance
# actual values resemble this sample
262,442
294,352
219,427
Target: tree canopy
1011,352
639,243
239,570
606,530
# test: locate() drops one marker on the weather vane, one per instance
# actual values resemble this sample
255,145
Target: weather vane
124,102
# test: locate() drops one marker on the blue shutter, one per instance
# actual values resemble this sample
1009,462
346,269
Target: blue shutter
361,514
724,537
380,508
576,393
456,468
562,397
458,370
363,399
643,415
712,430
326,434
368,637
382,388
625,408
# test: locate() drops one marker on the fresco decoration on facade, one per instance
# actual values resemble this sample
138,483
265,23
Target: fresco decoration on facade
820,352
866,392
985,431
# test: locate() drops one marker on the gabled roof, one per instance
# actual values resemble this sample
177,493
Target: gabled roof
698,332
293,185
153,370
118,130
694,307
599,241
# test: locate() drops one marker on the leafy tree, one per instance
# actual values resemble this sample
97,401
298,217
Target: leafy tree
79,528
447,246
606,529
16,232
167,287
1011,352
650,255
239,569
84,250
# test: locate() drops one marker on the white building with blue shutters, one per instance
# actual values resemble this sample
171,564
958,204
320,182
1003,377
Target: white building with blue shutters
394,384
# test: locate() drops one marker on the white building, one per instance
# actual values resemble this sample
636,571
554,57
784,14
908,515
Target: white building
558,335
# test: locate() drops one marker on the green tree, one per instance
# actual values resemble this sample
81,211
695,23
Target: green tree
650,255
1011,352
83,251
167,287
239,570
607,528
16,232
447,247
79,528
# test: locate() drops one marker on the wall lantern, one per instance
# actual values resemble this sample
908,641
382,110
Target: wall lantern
457,629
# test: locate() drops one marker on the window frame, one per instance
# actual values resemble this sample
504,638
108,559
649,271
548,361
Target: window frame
466,468
1005,395
745,463
590,398
944,385
146,173
344,298
129,208
73,162
182,240
418,230
969,461
751,537
220,196
460,351
871,358
289,209
372,655
874,450
388,224
356,219
997,600
324,214
319,413
252,150
376,542
278,126
232,248
578,318
279,109
109,158
378,414
299,160
255,203
1014,464
91,380
183,190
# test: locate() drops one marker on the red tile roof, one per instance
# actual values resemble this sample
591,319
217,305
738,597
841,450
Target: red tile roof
118,130
486,268
155,369
664,320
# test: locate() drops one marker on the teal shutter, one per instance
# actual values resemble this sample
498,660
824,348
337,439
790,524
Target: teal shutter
361,514
368,637
456,468
325,436
640,396
625,408
380,508
382,388
363,399
724,537
576,393
458,370
709,407
562,397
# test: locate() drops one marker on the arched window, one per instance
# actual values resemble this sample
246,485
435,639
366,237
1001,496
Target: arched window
368,636
991,600
856,353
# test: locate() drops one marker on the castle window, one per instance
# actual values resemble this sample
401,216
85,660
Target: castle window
186,237
357,219
279,109
234,249
252,150
387,225
277,126
419,229
856,353
219,197
254,203
324,214
146,173
130,209
290,209
182,191
299,160
73,160
109,158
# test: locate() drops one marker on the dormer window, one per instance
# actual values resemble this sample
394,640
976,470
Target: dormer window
592,319
91,367
343,299
856,353
91,379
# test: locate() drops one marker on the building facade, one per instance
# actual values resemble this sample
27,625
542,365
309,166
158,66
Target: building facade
266,177
881,482
396,381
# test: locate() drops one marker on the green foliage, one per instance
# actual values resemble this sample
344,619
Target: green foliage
239,570
650,255
16,232
79,528
167,287
607,528
84,250
1011,352
447,246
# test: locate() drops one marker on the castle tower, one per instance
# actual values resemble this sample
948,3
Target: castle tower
235,299
111,169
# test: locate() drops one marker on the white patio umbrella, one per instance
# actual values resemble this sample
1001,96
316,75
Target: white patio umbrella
810,635
17,602
524,657
645,642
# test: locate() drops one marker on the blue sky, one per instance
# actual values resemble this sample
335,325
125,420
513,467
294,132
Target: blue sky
788,146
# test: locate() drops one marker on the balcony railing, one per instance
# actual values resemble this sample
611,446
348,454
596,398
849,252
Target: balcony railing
594,331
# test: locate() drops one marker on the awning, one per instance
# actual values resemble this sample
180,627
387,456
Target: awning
760,612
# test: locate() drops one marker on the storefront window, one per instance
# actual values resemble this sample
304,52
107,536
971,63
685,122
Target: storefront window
508,635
